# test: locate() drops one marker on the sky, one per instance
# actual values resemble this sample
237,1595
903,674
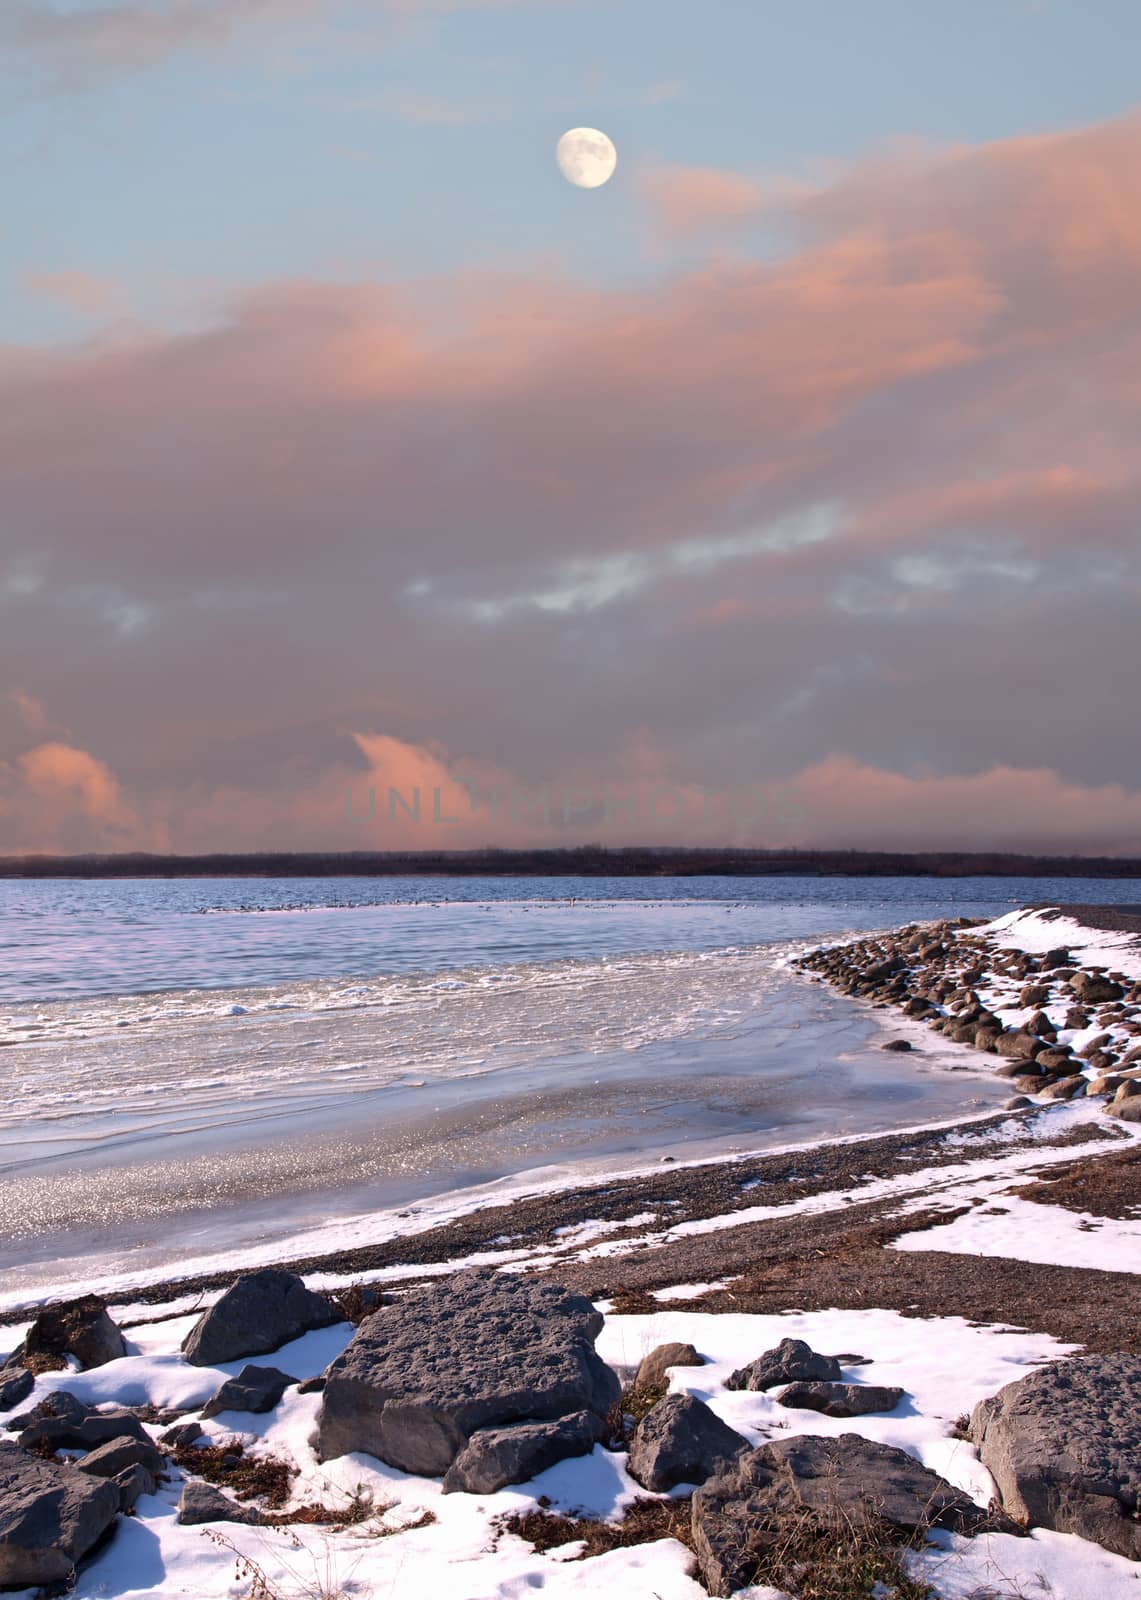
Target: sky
364,485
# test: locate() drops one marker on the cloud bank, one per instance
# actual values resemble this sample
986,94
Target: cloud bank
861,516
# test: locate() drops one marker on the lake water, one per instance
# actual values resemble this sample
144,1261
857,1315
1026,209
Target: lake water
192,1062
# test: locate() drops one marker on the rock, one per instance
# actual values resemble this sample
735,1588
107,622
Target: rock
16,1386
1127,1110
1010,1069
900,1045
681,1441
1029,1083
1091,988
257,1314
1064,1447
827,1485
494,1457
79,1328
132,1483
119,1455
1102,1060
1017,1102
654,1367
1017,1045
1054,958
203,1502
65,1423
1097,1043
1065,1088
1058,1059
254,1389
183,1436
1077,1018
480,1351
50,1517
987,1037
841,1399
791,1361
1034,994
1105,1085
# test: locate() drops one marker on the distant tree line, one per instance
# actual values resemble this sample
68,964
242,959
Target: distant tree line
590,860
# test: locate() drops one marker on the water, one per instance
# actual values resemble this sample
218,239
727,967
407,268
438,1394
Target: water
195,1060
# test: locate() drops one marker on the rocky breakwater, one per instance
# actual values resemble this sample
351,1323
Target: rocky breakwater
1058,1028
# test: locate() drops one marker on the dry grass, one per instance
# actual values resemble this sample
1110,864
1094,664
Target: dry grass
639,1400
247,1477
645,1521
837,1557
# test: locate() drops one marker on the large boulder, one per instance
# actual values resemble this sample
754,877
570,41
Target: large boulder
62,1422
425,1373
254,1389
257,1314
681,1441
826,1485
790,1362
1064,1447
494,1457
79,1328
841,1399
50,1517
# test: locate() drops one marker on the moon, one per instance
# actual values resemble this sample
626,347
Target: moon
586,157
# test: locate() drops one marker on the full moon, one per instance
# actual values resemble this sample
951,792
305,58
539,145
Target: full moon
586,157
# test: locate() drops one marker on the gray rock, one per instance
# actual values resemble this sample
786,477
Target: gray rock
833,1484
791,1361
425,1373
119,1455
15,1385
681,1441
841,1399
254,1389
203,1502
1064,1447
257,1314
494,1457
63,1422
132,1483
1127,1110
182,1435
654,1367
50,1517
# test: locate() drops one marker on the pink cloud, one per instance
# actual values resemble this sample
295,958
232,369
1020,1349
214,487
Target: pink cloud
686,201
879,494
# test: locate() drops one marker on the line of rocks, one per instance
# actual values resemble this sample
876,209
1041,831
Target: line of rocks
934,974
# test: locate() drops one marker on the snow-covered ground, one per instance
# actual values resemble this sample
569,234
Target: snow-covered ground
945,1366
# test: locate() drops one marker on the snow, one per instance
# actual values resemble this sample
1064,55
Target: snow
945,1365
1025,1231
1089,947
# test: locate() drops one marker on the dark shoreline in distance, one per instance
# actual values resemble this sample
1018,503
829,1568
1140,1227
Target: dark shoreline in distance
586,861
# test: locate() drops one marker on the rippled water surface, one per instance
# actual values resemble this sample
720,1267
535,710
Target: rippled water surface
230,1055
